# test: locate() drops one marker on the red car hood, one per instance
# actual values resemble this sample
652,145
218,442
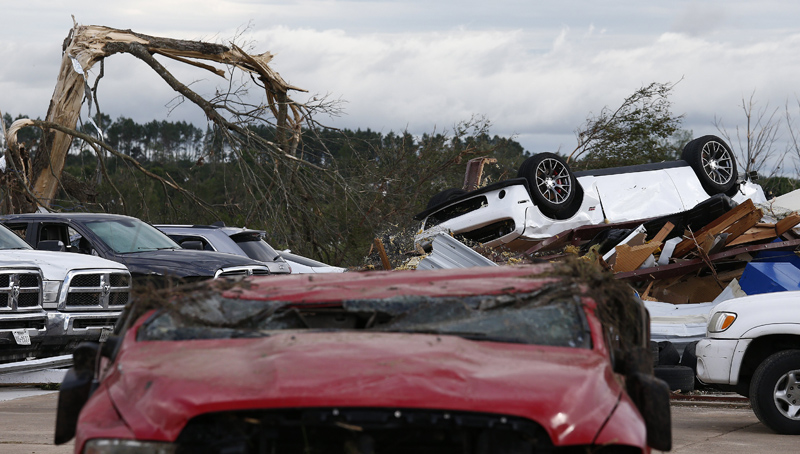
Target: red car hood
159,386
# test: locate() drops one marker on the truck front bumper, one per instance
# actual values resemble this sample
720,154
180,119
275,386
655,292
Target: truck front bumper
719,360
65,328
20,334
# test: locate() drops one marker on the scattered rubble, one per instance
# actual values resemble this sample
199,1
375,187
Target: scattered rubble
681,264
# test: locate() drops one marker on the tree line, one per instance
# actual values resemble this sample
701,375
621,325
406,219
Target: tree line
345,187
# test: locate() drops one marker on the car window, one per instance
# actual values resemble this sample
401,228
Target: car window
181,239
12,239
524,318
456,210
130,235
255,247
79,243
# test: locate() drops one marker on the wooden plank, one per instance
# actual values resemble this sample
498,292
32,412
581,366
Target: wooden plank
387,265
743,225
715,226
753,235
631,257
688,266
786,224
662,234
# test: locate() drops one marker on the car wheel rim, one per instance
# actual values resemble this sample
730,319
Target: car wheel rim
787,395
553,180
717,162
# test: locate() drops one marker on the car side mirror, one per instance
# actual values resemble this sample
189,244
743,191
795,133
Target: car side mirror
651,397
51,245
78,385
195,245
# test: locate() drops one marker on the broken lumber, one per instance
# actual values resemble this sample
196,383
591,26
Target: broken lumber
630,258
387,265
762,232
719,225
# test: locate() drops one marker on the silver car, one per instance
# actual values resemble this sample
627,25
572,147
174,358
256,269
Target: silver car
245,242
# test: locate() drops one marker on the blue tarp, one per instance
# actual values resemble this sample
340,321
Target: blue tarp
769,277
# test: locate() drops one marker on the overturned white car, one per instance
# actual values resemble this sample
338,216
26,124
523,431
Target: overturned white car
547,198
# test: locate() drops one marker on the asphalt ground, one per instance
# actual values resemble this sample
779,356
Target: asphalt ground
706,425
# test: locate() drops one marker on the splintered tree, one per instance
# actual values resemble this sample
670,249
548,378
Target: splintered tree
274,176
87,45
266,174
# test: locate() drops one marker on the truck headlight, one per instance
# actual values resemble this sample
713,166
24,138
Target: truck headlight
721,321
50,291
101,446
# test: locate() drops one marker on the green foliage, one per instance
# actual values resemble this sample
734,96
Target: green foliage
641,130
776,186
363,183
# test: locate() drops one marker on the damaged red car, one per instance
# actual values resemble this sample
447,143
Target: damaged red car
516,359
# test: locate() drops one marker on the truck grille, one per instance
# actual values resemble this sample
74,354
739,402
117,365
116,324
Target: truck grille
242,271
379,430
20,289
93,290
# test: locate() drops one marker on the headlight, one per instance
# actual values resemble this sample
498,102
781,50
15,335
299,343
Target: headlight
50,290
721,321
128,447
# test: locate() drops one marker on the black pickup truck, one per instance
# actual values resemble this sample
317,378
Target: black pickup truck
146,251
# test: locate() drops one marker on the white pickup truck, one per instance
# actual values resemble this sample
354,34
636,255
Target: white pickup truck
753,348
74,297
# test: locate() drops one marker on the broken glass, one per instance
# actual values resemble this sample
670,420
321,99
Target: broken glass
540,318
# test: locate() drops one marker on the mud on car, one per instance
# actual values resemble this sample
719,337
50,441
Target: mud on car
547,198
518,359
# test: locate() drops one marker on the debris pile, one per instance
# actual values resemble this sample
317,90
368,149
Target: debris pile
690,265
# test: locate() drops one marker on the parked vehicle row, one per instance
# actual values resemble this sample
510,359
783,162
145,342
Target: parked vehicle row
65,277
143,249
243,242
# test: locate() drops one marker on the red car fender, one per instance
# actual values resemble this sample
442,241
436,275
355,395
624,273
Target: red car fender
625,426
99,419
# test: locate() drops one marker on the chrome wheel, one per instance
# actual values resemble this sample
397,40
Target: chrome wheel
553,181
717,161
787,395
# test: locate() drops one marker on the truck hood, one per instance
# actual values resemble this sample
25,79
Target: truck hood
157,386
755,311
183,262
55,265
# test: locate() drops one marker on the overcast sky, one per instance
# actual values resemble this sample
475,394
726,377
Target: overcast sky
534,69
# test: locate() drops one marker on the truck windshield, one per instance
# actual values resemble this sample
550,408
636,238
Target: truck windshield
522,318
129,235
10,240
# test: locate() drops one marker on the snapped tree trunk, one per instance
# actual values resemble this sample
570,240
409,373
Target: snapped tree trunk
86,45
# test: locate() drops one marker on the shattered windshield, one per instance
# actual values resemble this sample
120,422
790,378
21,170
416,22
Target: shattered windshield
130,235
521,318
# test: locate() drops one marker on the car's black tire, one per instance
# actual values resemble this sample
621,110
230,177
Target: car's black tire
667,354
444,196
689,356
775,390
689,359
676,377
713,163
551,183
654,351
